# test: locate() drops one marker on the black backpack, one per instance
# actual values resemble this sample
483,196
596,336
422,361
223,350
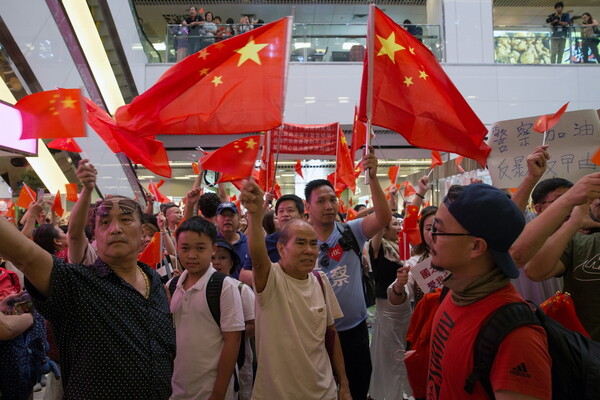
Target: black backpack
575,358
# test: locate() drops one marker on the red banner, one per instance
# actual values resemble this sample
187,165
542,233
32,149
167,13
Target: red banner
305,139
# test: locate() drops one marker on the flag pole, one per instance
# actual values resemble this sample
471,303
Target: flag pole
544,140
370,61
337,151
276,159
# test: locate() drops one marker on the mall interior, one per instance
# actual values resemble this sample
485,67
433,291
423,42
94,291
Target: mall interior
494,51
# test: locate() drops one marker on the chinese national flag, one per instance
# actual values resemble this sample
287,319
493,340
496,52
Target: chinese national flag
409,189
344,168
393,173
57,205
457,161
72,192
235,159
351,214
233,86
560,308
436,159
141,150
266,171
195,168
152,253
52,114
412,94
298,168
26,197
66,144
403,246
359,134
152,188
545,122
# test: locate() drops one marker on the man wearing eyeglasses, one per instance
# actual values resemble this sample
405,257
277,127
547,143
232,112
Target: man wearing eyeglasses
471,236
551,246
339,258
111,319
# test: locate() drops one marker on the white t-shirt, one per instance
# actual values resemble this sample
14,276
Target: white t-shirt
199,339
291,319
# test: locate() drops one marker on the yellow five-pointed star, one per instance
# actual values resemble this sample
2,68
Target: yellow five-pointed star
68,102
389,46
423,74
412,50
408,81
250,51
203,54
204,71
217,80
250,144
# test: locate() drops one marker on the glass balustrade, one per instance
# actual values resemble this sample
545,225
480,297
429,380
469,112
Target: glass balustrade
310,42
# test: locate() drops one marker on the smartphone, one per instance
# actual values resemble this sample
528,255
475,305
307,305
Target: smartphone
40,194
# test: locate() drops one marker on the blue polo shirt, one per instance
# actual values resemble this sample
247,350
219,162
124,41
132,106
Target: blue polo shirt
271,242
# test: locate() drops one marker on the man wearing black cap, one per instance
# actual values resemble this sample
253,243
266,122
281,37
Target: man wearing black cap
228,222
471,235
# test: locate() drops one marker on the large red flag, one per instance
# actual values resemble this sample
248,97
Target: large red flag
152,253
232,86
26,197
146,151
359,134
57,205
52,114
235,159
412,94
66,144
545,122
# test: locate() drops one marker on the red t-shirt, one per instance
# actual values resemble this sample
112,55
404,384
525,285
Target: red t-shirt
522,363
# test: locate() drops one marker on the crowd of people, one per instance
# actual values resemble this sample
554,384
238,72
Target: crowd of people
277,310
561,23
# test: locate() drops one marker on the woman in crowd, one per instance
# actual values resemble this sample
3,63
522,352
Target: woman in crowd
388,380
591,36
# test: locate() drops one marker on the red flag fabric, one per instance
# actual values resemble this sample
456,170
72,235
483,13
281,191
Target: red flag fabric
26,197
195,168
152,253
560,308
10,212
409,189
351,214
359,134
436,159
158,196
233,86
277,191
545,122
457,161
403,246
66,144
57,205
71,192
410,225
141,150
266,169
393,173
413,95
52,114
596,157
236,158
298,168
305,139
344,168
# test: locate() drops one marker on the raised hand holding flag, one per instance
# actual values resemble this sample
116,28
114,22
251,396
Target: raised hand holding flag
545,122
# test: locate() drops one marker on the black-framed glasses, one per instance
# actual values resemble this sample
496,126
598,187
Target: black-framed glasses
324,263
435,233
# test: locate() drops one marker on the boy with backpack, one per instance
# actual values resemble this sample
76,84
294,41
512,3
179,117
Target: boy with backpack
471,235
208,337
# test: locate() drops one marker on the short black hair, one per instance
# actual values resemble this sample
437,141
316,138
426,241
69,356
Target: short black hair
208,204
312,185
453,192
287,197
200,226
359,207
44,236
547,186
166,206
559,4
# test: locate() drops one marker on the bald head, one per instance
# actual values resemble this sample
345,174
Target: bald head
288,231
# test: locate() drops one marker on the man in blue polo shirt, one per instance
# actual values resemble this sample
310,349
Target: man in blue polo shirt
228,222
339,260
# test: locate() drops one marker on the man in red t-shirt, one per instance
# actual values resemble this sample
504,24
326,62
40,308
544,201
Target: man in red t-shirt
471,234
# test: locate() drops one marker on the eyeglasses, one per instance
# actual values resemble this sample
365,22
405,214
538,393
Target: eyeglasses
324,263
127,206
435,233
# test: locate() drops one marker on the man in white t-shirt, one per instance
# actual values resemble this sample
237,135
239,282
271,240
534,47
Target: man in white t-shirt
295,309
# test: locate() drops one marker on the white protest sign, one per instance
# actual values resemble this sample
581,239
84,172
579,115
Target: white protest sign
427,277
572,142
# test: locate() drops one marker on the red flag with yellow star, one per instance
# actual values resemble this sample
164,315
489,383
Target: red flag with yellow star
235,159
436,159
298,168
545,122
26,197
412,94
359,134
233,86
66,144
52,114
152,253
57,205
344,167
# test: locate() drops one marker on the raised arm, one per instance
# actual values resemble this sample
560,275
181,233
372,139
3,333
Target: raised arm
375,222
536,166
78,242
149,204
191,202
252,198
34,210
168,240
423,188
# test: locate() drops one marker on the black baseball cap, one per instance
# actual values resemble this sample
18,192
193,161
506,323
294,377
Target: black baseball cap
488,213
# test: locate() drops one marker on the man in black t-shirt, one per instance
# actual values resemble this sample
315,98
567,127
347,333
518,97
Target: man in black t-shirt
194,23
